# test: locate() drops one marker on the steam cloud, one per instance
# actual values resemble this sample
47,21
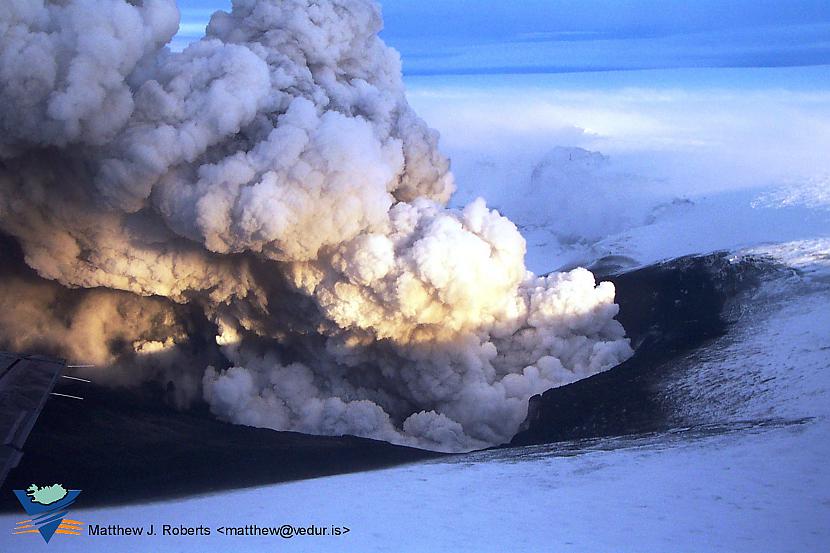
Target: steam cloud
272,179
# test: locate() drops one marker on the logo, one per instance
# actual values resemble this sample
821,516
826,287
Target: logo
47,508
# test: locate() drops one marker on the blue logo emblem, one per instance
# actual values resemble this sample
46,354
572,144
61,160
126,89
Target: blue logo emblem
47,508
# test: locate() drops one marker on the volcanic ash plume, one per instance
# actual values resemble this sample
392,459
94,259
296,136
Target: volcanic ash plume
273,179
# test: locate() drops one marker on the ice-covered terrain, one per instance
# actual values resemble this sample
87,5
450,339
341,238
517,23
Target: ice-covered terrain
755,490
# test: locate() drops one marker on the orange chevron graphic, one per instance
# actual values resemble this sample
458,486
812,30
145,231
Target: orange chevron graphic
47,513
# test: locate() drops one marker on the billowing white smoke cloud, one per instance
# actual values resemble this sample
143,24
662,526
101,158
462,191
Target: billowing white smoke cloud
274,175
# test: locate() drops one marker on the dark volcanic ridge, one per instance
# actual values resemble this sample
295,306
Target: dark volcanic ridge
669,310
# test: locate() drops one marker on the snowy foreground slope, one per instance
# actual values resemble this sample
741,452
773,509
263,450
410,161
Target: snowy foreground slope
763,489
747,473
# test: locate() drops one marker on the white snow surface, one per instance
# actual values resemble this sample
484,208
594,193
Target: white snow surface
757,490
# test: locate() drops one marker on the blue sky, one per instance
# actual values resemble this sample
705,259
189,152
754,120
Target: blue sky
556,36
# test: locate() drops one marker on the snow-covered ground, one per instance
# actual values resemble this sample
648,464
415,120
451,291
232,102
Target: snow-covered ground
753,489
774,364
